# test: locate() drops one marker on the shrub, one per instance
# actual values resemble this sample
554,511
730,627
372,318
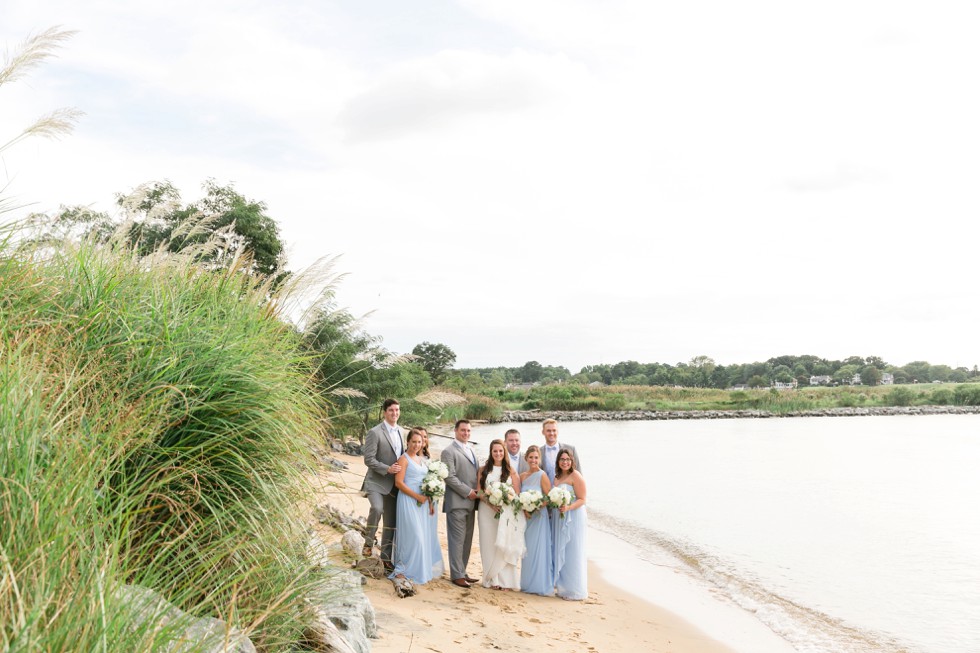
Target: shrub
967,395
154,430
900,397
941,397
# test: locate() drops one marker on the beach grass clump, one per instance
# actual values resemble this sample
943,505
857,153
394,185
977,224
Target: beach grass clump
155,419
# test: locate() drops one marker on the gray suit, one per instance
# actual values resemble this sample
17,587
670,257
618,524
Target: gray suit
522,465
551,471
379,487
460,510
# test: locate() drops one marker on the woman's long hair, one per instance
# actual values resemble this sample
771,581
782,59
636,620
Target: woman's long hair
558,471
488,466
425,439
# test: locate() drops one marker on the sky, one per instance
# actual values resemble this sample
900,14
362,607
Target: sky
573,182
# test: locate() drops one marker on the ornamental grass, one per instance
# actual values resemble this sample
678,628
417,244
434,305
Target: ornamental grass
155,423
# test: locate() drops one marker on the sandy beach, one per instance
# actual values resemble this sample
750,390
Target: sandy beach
442,617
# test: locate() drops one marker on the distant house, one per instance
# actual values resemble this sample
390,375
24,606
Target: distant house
785,386
887,379
823,379
856,379
740,386
522,386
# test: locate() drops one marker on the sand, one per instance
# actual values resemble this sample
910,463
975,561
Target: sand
444,618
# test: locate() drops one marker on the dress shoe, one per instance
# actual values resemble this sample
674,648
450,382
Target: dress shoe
471,580
462,582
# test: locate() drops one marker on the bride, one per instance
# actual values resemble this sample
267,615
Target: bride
501,530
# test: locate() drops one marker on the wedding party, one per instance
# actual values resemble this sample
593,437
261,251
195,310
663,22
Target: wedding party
528,508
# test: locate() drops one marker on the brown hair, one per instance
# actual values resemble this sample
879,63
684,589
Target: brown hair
488,466
558,469
420,432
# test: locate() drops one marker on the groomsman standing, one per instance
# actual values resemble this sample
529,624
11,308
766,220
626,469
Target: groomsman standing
551,447
460,502
512,438
383,446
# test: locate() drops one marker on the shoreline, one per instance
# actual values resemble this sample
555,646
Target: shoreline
442,617
520,416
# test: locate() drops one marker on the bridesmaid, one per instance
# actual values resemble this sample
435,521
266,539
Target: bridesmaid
501,538
536,573
568,524
417,553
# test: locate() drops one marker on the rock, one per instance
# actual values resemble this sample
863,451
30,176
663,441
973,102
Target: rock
318,552
371,567
349,610
323,635
205,634
352,542
352,448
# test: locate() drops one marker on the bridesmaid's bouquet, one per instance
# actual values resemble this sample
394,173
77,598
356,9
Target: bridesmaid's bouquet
500,495
434,481
529,501
558,497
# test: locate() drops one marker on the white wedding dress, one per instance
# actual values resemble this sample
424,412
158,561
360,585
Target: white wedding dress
501,542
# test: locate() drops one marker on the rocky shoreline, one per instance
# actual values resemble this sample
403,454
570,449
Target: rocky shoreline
630,415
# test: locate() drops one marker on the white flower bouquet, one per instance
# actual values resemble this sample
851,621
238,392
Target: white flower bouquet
438,468
558,497
433,483
529,501
500,495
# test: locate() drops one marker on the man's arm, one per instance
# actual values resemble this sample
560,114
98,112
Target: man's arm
452,482
371,453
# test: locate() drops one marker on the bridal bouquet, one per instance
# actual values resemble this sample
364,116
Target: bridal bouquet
529,501
558,497
500,495
434,483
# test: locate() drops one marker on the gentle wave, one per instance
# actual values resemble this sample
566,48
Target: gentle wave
808,630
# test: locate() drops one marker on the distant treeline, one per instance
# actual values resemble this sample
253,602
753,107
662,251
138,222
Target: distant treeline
703,372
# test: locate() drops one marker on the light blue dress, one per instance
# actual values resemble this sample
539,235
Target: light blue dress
571,565
536,572
417,553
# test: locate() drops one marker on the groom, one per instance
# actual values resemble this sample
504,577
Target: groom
460,502
383,446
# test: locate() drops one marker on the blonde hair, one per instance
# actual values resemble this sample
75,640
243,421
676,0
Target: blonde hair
550,420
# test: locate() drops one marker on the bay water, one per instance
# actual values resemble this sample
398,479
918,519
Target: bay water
839,534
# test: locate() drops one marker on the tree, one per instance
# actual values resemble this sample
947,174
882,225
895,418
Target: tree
845,374
531,372
870,375
435,358
703,366
228,222
757,381
240,223
355,374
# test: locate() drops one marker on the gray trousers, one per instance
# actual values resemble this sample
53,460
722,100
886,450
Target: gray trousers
459,540
383,507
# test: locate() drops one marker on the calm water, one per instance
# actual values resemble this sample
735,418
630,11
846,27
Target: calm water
845,534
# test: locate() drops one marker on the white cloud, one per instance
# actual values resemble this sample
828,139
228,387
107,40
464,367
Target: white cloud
573,182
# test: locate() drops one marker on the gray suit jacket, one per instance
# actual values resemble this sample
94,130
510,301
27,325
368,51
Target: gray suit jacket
522,465
571,450
574,453
378,456
462,478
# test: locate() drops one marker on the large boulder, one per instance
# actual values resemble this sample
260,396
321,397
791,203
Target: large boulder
184,632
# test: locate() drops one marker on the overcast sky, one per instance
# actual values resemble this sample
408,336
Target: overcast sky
566,181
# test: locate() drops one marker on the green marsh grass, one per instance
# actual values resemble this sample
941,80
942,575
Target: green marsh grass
155,420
